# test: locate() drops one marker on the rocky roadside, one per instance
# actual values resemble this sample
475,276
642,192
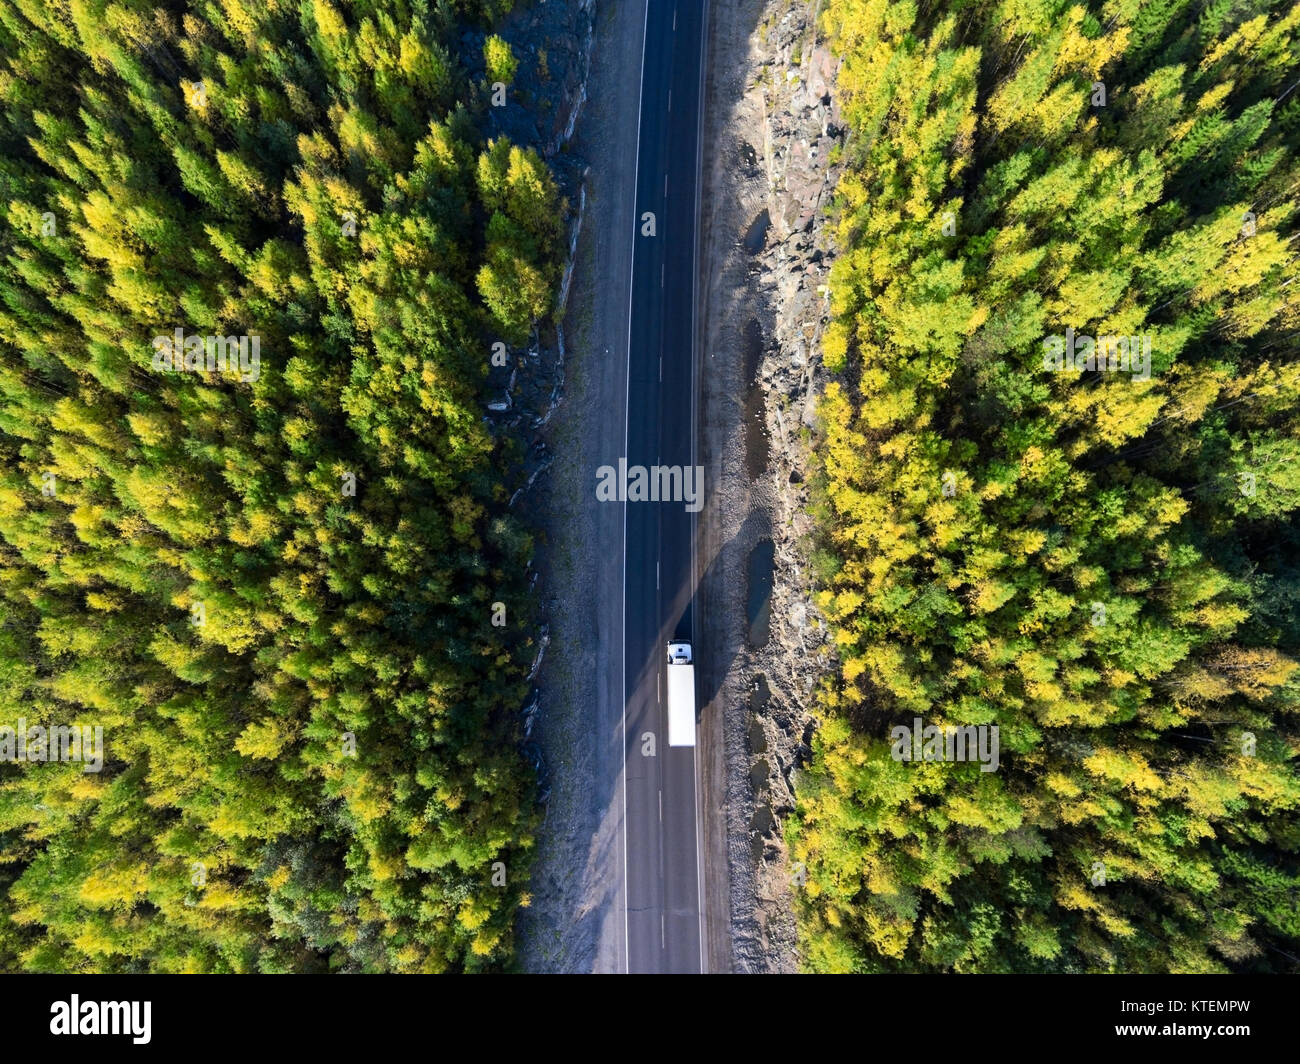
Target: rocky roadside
770,124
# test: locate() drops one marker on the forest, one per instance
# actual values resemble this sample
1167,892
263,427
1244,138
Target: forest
1104,565
253,523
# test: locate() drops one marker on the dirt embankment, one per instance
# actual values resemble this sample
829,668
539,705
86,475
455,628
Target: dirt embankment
770,125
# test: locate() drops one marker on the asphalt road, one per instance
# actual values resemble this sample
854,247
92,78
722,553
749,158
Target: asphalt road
661,837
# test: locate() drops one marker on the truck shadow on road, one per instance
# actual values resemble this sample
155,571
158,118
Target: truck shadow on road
719,634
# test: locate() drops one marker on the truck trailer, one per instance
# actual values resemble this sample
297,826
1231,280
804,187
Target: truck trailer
681,695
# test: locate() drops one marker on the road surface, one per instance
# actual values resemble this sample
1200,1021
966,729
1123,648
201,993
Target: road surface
661,837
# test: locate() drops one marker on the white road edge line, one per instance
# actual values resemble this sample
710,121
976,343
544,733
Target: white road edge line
627,396
695,330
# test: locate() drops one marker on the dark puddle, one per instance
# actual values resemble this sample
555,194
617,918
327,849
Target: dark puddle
756,236
758,604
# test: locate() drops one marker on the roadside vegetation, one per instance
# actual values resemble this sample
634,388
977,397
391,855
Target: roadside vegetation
291,595
1103,564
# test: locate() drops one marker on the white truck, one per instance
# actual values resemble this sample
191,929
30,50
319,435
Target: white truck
681,695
